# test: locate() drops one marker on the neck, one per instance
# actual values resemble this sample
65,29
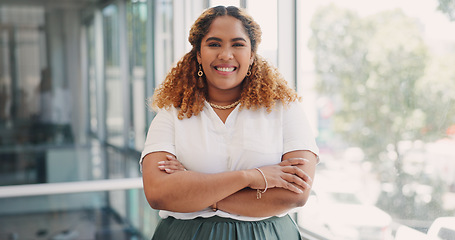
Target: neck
223,97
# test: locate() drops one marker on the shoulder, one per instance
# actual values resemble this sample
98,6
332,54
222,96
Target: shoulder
165,114
293,107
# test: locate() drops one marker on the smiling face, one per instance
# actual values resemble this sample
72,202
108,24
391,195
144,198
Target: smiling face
225,55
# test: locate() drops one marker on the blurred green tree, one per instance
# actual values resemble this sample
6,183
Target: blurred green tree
376,71
447,7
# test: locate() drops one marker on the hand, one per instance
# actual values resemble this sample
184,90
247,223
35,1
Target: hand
286,174
171,165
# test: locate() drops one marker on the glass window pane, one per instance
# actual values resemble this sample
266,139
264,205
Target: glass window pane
386,117
265,14
35,107
214,3
114,107
136,20
163,39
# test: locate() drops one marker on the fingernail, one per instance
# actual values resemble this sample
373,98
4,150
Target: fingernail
169,156
300,191
161,162
161,167
167,170
309,178
308,185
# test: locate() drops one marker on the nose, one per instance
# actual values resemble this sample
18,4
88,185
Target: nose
225,53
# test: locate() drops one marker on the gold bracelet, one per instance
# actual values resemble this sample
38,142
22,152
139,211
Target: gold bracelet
259,192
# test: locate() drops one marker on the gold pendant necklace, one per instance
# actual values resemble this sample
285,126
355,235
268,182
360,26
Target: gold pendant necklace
224,107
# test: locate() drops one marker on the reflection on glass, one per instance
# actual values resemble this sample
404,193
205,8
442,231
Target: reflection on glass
86,215
35,107
114,103
385,108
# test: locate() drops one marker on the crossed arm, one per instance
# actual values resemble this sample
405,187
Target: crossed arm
289,185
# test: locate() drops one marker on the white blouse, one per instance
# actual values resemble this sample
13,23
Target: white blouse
248,139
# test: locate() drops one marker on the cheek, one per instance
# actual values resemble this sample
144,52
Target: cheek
247,57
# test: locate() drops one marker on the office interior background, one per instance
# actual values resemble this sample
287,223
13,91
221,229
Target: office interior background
377,81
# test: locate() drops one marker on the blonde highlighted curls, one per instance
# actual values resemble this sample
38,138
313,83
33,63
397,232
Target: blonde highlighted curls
263,88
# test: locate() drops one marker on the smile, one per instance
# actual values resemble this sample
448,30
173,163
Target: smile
225,69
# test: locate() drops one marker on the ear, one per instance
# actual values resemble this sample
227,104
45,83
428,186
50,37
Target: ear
199,58
252,58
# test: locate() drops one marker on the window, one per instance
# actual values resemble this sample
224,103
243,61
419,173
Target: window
163,39
112,73
214,3
376,79
136,28
266,15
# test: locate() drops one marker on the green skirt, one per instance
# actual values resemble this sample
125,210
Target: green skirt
218,228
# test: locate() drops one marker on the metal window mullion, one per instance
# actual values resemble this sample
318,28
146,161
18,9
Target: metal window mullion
100,77
85,87
150,60
243,3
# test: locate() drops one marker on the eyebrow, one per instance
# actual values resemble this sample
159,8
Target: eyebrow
219,39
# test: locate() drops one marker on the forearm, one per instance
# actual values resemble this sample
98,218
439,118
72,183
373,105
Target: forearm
274,202
187,191
173,189
191,191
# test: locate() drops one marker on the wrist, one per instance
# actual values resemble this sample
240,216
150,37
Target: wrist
259,192
251,176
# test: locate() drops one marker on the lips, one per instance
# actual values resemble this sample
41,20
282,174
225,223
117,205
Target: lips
225,69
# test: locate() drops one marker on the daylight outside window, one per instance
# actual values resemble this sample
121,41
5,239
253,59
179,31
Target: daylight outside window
383,76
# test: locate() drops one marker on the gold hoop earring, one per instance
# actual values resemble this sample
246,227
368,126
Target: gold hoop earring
200,81
249,72
200,72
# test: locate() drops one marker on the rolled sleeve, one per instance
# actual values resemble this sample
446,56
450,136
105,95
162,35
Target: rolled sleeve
297,133
160,136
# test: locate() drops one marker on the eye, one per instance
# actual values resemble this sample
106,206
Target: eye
239,44
214,44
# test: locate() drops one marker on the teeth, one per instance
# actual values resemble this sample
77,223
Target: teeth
225,69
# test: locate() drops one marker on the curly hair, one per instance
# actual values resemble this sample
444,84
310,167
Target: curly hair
262,88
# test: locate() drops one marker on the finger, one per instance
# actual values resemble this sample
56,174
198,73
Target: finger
162,168
169,168
166,169
289,178
291,187
162,165
170,163
297,171
176,165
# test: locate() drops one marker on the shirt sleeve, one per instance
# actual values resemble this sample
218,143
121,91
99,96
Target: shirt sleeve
297,133
160,136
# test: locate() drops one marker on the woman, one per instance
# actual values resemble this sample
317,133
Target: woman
229,118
